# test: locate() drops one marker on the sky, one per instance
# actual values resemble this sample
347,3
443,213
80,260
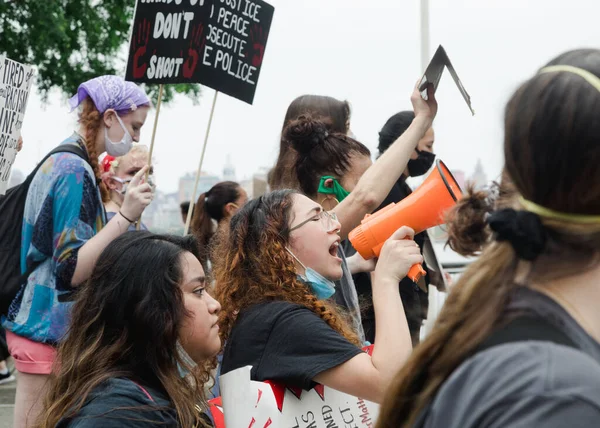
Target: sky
366,52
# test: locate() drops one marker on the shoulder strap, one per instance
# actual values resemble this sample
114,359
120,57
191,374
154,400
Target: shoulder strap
526,328
69,148
63,148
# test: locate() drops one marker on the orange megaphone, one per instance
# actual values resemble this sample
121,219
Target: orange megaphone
422,209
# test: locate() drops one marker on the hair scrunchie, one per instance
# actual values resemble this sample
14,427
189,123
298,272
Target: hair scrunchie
522,229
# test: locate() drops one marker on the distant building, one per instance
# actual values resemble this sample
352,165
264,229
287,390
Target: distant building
163,214
260,184
257,185
229,170
248,186
186,185
479,178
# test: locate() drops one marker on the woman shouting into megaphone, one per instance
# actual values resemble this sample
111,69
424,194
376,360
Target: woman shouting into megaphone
274,272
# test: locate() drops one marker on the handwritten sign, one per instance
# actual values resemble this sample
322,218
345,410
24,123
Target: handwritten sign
218,43
15,83
246,403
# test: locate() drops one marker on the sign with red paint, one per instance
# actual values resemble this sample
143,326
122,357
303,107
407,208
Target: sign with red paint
218,43
249,404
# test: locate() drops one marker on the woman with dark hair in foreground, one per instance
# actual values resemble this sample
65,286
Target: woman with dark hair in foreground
517,343
142,319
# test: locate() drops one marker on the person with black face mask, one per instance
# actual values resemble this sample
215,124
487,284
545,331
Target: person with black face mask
414,296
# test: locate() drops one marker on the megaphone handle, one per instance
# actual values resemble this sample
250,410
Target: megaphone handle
416,272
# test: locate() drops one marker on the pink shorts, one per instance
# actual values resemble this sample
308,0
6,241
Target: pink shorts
30,357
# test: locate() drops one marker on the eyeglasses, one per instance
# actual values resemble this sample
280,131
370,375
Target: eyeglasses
326,218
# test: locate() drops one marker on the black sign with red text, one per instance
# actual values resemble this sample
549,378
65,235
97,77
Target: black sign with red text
218,43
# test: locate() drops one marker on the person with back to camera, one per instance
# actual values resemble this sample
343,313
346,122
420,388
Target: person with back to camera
274,269
334,112
517,343
120,364
64,230
220,203
118,174
335,171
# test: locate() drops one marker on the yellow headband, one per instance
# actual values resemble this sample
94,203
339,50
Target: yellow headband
556,215
591,78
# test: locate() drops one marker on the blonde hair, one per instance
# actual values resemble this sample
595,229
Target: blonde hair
137,151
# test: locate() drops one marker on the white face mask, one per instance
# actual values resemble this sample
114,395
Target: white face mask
125,183
119,148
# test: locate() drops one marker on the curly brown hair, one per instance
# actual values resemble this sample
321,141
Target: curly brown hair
466,222
90,119
251,265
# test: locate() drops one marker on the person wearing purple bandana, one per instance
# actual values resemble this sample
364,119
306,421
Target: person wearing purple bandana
65,230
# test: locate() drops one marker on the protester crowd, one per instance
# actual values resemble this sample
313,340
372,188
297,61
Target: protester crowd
114,326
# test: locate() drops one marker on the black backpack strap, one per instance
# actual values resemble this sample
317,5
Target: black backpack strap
69,148
526,328
63,148
521,329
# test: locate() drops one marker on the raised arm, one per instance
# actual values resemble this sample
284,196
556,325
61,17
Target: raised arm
138,197
367,376
377,181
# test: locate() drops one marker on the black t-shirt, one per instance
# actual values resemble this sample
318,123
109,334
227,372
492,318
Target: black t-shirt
285,342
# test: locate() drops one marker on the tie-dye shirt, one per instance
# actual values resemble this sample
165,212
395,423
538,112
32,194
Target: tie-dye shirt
63,211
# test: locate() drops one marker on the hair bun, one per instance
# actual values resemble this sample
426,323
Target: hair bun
305,133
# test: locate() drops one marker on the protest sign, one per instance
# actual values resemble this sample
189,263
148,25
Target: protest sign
434,72
246,403
218,43
15,83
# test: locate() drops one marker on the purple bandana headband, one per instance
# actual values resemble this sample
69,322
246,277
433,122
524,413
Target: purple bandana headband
110,92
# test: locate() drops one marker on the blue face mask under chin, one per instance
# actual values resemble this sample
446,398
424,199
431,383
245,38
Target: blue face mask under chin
321,287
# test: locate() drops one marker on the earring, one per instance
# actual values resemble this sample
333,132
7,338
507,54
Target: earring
329,198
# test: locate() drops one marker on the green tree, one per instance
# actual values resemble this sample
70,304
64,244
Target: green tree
71,41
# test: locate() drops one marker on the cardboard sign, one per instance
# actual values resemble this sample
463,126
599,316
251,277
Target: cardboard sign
15,83
249,404
434,72
218,43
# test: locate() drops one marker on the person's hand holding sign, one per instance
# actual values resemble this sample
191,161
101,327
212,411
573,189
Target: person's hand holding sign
426,109
196,47
140,43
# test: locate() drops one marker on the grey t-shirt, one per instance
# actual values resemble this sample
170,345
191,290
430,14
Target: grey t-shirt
346,296
525,384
